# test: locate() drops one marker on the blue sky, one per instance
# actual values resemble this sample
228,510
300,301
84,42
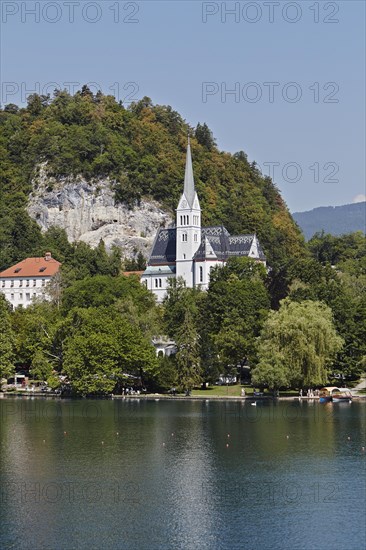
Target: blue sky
296,69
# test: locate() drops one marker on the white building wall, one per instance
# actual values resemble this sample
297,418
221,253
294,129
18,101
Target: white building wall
157,283
206,268
188,235
20,291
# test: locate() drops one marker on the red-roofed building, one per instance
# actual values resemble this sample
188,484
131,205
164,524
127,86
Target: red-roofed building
27,280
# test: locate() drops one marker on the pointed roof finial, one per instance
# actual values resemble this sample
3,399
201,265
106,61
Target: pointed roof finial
189,189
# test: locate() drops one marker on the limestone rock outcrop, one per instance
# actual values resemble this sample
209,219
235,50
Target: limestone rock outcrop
88,212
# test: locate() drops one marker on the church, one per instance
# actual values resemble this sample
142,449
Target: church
191,251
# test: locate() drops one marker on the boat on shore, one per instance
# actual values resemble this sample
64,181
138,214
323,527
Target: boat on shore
325,394
334,395
344,395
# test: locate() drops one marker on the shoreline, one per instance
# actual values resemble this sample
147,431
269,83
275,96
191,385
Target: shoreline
164,397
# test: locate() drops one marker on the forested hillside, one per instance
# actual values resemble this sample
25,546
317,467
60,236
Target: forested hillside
141,150
295,324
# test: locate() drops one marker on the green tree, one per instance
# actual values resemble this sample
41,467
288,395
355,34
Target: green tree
141,150
7,368
166,376
233,314
188,355
178,301
204,136
41,368
272,374
101,348
35,330
300,342
138,264
104,290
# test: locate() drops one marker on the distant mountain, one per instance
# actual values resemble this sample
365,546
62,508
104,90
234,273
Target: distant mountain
336,220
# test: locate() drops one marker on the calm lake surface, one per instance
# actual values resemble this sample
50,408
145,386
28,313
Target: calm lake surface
182,475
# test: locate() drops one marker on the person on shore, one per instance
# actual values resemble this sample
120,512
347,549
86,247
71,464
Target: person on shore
300,393
243,392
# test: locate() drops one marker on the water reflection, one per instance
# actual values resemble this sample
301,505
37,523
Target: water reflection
171,474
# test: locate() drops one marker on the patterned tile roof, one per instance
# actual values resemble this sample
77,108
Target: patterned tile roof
164,247
223,245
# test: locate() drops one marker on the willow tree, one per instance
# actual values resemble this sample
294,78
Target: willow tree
297,346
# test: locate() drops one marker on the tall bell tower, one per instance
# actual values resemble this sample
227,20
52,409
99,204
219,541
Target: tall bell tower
188,225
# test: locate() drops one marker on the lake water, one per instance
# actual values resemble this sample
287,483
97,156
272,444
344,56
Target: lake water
182,475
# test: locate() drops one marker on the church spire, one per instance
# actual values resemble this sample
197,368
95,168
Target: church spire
189,189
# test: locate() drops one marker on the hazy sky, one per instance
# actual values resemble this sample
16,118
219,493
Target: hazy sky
295,70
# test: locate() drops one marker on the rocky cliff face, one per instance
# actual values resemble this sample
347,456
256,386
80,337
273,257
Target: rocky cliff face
87,212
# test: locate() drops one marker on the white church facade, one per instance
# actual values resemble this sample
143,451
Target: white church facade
191,251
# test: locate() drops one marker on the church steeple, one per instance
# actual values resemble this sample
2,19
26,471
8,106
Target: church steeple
189,190
188,227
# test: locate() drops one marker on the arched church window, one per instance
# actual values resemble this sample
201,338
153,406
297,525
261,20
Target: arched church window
201,274
195,237
187,220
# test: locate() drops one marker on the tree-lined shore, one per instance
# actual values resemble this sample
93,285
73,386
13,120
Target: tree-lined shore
295,325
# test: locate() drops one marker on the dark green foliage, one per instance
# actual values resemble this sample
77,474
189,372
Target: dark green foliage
138,264
99,325
142,150
101,349
103,290
188,355
7,342
342,287
167,374
234,311
335,250
204,136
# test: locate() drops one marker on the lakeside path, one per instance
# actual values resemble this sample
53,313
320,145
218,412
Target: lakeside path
360,386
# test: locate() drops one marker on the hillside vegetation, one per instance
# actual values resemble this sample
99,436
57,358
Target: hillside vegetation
296,325
141,149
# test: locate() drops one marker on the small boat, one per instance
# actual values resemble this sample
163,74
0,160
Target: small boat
325,394
344,395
